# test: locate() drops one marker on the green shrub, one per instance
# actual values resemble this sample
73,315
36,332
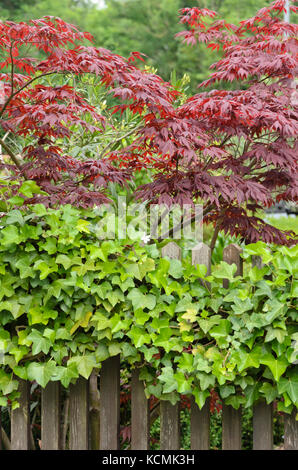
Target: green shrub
70,301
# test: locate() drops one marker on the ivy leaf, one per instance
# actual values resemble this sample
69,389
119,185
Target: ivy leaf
114,348
140,300
41,372
45,268
240,306
40,343
290,386
274,309
190,315
66,374
167,377
7,384
139,336
251,394
276,366
259,249
275,333
24,266
221,332
162,339
200,397
85,364
246,359
207,323
186,362
269,391
176,268
226,390
235,401
10,234
101,353
224,271
206,380
183,384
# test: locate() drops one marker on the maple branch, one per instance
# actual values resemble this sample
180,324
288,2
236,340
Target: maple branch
24,86
186,224
12,68
10,153
215,235
118,139
220,145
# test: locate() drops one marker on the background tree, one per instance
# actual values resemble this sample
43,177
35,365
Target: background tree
147,26
233,151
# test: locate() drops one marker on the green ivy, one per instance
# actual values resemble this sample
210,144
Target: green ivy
69,301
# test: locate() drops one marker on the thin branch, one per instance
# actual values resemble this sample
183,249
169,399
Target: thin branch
215,234
189,221
119,138
10,153
5,440
24,86
6,135
12,67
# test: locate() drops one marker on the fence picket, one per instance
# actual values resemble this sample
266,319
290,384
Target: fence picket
20,420
170,414
79,414
171,250
200,419
262,426
291,431
110,404
231,418
231,428
50,417
94,412
169,426
140,414
200,426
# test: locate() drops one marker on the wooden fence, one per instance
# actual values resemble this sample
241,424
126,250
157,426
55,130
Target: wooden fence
94,426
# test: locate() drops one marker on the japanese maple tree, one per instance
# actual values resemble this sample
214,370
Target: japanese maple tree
45,112
233,151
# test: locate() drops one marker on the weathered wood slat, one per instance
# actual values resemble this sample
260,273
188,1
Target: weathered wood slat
140,414
291,431
50,417
201,254
231,428
231,418
20,420
0,428
262,426
169,426
172,250
94,412
170,414
200,419
110,404
231,255
200,426
79,414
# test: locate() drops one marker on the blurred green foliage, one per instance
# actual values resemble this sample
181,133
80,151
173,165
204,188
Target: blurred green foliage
148,26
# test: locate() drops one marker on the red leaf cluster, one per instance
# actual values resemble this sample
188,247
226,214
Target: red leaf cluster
233,151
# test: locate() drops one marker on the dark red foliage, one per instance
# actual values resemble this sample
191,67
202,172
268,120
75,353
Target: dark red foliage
45,113
233,151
